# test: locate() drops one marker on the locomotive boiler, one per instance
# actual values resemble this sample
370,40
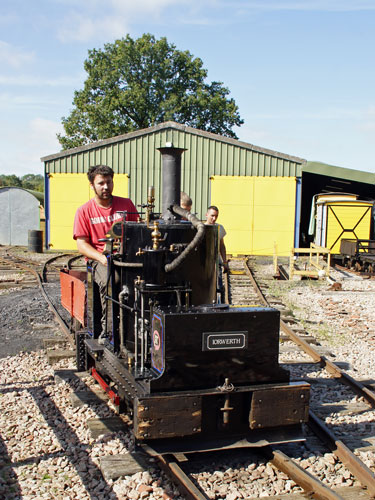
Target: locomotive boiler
185,367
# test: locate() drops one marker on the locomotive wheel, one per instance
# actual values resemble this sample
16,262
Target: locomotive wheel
358,266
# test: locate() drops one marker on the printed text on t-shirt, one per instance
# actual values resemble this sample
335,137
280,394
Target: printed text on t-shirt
109,218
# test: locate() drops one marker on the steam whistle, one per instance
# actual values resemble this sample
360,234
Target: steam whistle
150,204
156,236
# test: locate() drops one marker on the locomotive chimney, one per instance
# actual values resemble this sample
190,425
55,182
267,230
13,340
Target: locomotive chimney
171,180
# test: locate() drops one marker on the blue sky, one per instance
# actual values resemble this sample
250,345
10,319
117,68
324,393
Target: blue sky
302,72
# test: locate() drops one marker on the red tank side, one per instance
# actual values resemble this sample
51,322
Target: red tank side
73,293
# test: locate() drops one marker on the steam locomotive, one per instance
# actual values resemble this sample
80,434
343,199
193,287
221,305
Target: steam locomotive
186,368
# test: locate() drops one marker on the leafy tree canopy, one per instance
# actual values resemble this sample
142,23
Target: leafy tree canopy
29,181
135,84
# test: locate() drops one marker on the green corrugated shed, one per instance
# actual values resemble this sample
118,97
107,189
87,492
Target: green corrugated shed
319,168
206,155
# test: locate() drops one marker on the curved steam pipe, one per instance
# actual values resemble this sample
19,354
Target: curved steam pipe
199,226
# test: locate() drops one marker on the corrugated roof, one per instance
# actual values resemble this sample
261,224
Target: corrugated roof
37,194
316,167
175,126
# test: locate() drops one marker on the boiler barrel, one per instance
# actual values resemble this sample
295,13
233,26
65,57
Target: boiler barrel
35,241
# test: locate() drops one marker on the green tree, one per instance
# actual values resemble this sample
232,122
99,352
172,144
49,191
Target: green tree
31,182
34,182
10,181
135,84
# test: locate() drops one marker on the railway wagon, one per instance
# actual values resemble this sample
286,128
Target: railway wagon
338,216
192,373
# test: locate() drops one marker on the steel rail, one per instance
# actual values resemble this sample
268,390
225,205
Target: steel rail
72,259
354,464
333,369
169,464
347,457
59,319
364,274
49,261
312,486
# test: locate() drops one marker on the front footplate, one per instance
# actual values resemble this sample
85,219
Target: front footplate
219,414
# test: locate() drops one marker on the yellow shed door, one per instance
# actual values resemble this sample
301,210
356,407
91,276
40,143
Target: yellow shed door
256,212
68,192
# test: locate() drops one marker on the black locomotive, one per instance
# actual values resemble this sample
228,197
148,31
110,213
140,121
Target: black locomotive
185,367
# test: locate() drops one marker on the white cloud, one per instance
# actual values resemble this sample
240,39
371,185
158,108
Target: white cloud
14,56
22,102
367,124
36,139
304,5
39,81
112,19
42,136
252,135
305,114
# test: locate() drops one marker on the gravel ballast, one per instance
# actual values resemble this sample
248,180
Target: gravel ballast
47,451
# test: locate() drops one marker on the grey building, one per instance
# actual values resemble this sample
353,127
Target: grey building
19,213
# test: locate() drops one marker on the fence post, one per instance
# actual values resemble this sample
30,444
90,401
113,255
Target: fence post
291,264
274,257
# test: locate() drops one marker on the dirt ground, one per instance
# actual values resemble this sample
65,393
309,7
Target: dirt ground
25,320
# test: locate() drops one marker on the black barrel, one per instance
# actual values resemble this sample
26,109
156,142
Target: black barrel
35,242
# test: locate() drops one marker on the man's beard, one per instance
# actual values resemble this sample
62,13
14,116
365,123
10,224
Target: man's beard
107,196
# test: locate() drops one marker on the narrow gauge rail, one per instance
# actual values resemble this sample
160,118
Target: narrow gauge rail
237,288
343,453
242,288
357,270
43,273
238,291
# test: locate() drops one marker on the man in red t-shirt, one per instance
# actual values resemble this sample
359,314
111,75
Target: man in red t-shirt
93,221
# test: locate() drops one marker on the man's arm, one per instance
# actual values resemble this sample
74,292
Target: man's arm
89,251
223,253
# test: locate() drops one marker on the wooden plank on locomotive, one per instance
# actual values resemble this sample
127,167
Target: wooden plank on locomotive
167,416
289,406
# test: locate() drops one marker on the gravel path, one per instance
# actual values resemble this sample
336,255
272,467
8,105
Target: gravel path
47,452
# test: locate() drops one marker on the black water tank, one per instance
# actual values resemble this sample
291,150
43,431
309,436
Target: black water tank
35,241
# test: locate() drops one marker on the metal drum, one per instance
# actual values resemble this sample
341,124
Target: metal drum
35,241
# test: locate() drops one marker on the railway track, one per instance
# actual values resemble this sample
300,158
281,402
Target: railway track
356,270
290,331
41,270
184,469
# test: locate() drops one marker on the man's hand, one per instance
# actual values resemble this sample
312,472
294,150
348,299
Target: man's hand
88,251
103,259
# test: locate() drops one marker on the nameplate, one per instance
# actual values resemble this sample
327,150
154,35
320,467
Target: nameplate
213,341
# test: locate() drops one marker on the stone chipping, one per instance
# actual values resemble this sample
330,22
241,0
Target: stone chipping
46,451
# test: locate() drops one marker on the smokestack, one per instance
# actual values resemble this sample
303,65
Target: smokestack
171,180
